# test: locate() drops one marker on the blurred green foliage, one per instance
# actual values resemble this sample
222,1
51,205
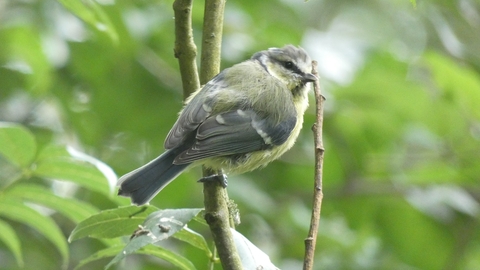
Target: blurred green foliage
401,129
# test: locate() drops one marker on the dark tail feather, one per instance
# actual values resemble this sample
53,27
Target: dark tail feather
142,184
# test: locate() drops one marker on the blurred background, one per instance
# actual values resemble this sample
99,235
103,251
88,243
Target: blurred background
401,126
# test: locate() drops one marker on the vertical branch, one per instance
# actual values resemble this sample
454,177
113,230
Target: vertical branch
185,50
215,196
311,239
217,217
216,199
211,39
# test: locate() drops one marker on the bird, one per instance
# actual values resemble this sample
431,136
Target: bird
245,117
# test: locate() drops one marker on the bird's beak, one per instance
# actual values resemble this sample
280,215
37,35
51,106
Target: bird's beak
309,77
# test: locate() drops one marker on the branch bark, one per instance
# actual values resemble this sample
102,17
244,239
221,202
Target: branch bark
215,196
216,200
211,39
311,239
185,49
217,215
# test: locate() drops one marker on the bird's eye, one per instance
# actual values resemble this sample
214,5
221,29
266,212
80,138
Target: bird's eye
288,64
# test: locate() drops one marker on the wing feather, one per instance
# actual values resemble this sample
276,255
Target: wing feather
196,111
238,132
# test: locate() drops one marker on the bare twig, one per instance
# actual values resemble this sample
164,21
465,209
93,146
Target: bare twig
185,49
215,196
311,239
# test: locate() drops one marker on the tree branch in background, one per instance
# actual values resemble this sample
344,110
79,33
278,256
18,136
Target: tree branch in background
185,49
211,39
311,239
215,195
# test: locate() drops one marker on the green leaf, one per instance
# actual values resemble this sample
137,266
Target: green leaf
101,254
17,144
193,238
92,13
459,83
73,209
62,152
158,226
414,3
107,172
23,43
142,238
112,223
19,212
200,219
52,151
432,171
160,252
402,227
10,239
169,256
70,169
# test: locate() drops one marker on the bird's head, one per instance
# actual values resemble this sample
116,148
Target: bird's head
289,64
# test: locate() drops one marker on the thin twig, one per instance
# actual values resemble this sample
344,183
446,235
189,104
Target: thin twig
311,239
215,196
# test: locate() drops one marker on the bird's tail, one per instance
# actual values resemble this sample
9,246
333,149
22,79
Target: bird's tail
142,184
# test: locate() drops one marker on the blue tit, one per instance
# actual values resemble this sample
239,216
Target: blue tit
245,117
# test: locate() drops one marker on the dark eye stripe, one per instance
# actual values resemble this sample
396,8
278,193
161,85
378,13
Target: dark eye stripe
291,66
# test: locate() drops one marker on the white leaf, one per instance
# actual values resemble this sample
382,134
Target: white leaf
251,256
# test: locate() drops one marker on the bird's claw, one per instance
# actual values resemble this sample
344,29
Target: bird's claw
220,178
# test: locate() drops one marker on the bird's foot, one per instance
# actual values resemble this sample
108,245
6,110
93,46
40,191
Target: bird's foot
220,178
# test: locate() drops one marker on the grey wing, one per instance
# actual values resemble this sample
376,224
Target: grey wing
236,132
195,112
